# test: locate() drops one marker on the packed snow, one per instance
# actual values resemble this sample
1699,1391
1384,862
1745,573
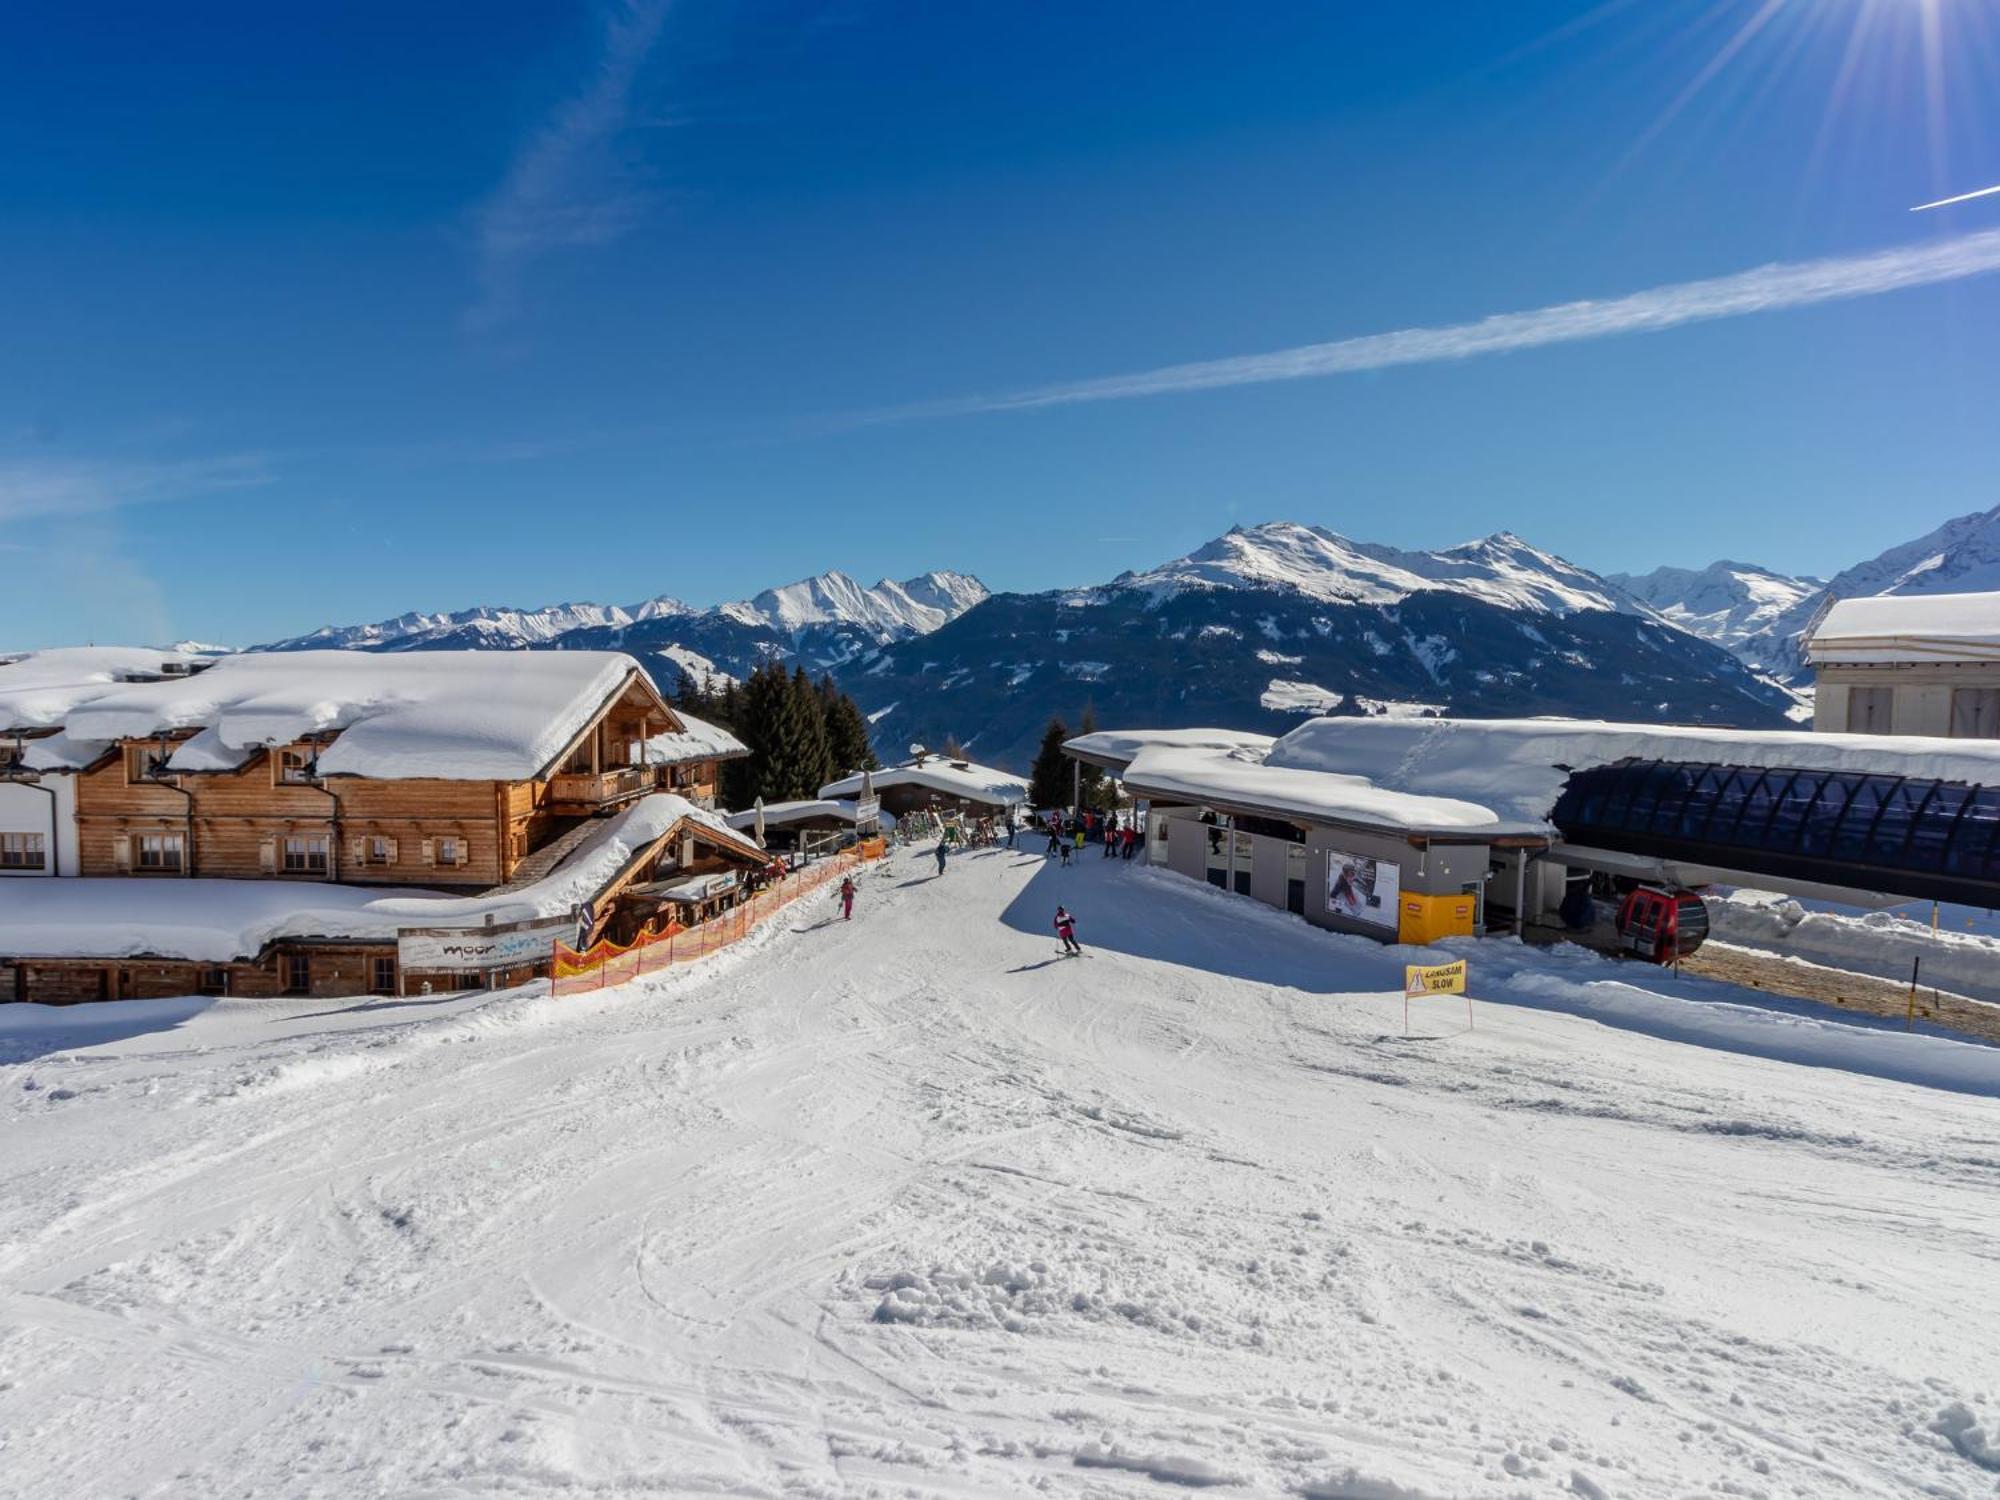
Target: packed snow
909,1206
216,921
455,715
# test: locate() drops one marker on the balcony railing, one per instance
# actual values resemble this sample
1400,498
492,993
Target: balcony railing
594,790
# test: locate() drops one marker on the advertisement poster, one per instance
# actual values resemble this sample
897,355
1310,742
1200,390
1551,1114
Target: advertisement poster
427,949
1368,890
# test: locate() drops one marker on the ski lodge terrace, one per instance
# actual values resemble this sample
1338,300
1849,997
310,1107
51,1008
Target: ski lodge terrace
336,823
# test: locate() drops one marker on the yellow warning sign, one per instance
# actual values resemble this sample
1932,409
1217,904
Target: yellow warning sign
1433,979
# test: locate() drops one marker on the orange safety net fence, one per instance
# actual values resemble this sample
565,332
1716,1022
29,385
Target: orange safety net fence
606,963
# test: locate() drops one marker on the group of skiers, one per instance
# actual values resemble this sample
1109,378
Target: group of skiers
1075,833
1063,835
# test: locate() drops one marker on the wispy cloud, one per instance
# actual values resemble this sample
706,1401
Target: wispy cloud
566,188
1771,288
67,488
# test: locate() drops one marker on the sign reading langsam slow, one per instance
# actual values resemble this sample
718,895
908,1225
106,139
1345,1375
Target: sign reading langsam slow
507,945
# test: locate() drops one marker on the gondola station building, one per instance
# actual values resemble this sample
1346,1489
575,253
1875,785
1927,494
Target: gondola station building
329,822
1411,830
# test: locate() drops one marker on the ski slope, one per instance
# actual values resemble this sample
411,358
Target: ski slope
912,1207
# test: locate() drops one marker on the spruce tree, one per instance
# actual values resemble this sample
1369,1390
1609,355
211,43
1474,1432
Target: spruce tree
808,714
1049,782
846,731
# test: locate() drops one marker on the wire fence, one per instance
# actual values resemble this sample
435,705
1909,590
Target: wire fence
606,963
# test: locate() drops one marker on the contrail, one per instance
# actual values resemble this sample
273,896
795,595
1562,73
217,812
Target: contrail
1769,288
1961,198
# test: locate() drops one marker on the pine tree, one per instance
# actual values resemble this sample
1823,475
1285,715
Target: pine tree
808,713
1049,782
846,731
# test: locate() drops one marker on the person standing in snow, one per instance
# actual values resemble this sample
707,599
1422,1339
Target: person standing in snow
1062,848
1131,839
1080,836
940,856
847,898
1110,837
1066,930
1055,834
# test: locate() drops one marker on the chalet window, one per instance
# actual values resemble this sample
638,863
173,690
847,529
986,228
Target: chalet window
450,851
10,757
295,766
144,762
380,851
161,851
298,974
382,976
305,854
22,851
212,981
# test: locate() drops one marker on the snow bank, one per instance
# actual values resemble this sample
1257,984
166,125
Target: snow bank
215,921
452,715
1909,627
1120,745
1879,942
937,773
38,690
1517,767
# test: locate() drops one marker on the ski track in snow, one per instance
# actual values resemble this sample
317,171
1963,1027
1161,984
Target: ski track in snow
908,1206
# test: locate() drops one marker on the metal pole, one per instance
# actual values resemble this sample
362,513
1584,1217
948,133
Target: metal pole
1910,1019
1520,898
1076,787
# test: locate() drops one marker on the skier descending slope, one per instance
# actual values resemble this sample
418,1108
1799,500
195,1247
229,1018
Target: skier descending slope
847,898
1066,930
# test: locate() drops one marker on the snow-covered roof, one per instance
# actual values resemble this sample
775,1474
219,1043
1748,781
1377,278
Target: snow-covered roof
1118,746
215,921
1517,767
698,740
1243,779
953,778
40,689
1909,628
451,715
778,814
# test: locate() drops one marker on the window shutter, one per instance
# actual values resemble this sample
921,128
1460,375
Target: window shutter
391,844
430,851
357,851
121,851
465,851
267,856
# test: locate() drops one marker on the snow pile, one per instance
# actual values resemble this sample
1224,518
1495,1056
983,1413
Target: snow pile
1500,569
938,773
1877,942
216,921
1517,767
1288,695
452,715
1240,779
698,740
1909,628
1118,746
38,690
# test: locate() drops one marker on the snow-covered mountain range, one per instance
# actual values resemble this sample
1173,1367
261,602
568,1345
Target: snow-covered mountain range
825,621
1729,603
1267,623
1764,616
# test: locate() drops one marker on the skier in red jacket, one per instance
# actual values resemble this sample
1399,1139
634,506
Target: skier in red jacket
1066,930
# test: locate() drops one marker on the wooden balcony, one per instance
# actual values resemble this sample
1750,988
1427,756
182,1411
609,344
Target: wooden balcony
590,790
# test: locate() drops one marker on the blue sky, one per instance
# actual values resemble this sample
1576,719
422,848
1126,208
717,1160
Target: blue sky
322,314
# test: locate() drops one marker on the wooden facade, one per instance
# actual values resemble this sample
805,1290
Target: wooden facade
273,817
